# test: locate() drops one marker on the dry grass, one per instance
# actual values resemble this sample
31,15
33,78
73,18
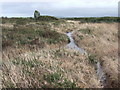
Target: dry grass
102,42
30,66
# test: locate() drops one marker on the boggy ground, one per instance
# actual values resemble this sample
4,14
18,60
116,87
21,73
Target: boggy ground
34,54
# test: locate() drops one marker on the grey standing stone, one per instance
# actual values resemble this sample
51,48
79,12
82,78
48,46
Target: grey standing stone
36,14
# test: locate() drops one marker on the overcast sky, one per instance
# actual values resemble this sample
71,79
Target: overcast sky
61,8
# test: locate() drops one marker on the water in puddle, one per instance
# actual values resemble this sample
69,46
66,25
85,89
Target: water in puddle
72,44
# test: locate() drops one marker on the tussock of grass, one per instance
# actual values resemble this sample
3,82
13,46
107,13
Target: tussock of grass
58,81
86,31
92,59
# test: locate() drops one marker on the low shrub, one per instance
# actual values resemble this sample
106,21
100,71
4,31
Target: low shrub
95,19
47,18
57,81
86,31
92,58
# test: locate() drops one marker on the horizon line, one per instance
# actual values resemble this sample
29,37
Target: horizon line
54,16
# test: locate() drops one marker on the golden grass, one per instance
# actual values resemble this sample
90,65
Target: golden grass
71,64
102,42
25,67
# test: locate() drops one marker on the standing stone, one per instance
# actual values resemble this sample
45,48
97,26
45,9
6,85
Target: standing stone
36,14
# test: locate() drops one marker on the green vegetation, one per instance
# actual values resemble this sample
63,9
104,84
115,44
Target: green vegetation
96,19
47,18
54,80
52,77
10,85
58,53
52,18
86,31
58,22
57,80
25,63
20,20
26,33
43,18
92,58
81,37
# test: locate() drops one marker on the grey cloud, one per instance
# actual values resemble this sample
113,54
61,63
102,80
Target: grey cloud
27,9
